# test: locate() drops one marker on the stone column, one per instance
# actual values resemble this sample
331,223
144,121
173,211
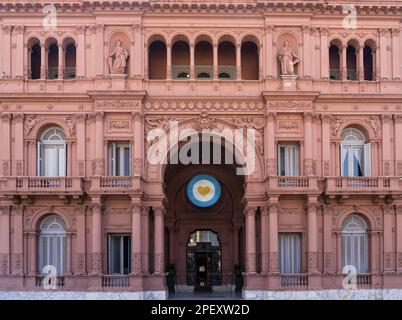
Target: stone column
145,239
69,269
146,66
238,61
388,238
269,54
159,240
43,67
169,61
81,143
344,65
80,50
192,61
383,54
4,240
236,229
327,238
138,143
361,63
312,235
215,60
377,63
31,238
96,232
250,240
306,52
373,254
396,60
324,54
137,52
264,240
100,50
273,255
386,144
19,143
308,145
5,153
269,144
6,50
171,244
80,267
398,209
17,264
326,145
19,52
99,160
398,144
60,68
136,237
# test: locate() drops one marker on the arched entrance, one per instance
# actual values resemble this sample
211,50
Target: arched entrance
204,260
204,224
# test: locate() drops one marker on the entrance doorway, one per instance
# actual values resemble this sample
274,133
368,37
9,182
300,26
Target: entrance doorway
204,263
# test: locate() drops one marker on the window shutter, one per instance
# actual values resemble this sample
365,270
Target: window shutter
367,159
112,156
39,159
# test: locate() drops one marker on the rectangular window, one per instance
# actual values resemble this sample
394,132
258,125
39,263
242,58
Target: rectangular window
119,254
289,253
119,159
288,160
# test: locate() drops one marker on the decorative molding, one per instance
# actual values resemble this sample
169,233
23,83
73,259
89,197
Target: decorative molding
190,105
116,104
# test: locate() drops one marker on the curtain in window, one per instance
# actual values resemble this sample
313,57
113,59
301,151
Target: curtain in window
289,253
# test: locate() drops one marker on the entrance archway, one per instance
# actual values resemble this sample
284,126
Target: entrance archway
204,242
204,260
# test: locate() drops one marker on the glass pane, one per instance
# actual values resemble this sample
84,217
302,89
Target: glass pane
345,161
118,173
126,162
282,159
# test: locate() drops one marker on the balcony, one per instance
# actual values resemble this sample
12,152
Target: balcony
363,185
41,185
114,184
115,281
293,184
294,280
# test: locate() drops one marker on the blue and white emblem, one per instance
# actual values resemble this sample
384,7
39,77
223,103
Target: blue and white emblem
203,190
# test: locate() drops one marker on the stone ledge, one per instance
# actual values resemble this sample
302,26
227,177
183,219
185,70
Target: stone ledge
82,295
332,294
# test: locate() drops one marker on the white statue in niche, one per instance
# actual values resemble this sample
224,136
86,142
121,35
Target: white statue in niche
117,60
288,59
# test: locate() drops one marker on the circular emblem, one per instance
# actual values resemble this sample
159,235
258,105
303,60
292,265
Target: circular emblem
203,190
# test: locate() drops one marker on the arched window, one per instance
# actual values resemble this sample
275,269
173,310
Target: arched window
53,244
351,62
157,60
355,243
355,154
52,61
334,62
52,153
34,56
203,59
369,53
226,60
180,60
249,61
70,61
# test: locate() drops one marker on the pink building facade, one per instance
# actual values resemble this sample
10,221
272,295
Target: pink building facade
85,84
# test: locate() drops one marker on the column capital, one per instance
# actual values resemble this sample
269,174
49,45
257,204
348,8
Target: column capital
80,118
250,211
386,118
6,117
137,115
326,118
308,116
395,32
18,117
100,115
383,32
270,116
159,211
398,118
324,31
